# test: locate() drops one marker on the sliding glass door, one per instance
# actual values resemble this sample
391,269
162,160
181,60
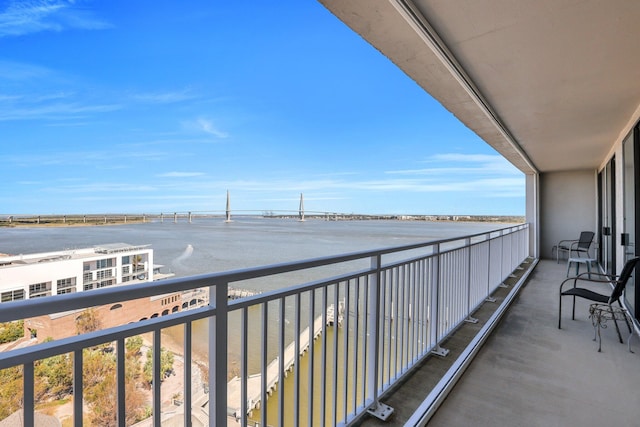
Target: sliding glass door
629,235
606,216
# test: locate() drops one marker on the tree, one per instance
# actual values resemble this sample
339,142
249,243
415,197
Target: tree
87,321
11,331
101,388
10,390
166,365
54,377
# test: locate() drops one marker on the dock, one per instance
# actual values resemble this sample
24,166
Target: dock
254,382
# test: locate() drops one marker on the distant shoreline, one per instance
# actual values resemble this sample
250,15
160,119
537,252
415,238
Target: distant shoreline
30,221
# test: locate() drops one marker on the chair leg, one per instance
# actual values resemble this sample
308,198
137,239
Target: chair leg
625,319
615,322
560,312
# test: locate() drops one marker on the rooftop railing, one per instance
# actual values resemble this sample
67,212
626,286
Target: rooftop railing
319,352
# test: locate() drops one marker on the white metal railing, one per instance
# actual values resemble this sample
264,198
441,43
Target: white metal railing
396,306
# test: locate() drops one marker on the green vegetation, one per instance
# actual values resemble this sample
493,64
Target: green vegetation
87,322
54,381
11,331
166,365
10,390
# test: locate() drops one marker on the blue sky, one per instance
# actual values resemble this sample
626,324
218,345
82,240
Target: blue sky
163,106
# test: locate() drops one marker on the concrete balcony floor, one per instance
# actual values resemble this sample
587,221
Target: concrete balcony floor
529,372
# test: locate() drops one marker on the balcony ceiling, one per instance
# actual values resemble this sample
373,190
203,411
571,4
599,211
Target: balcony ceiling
550,84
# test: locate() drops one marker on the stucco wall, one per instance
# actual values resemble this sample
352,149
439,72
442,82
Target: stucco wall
567,207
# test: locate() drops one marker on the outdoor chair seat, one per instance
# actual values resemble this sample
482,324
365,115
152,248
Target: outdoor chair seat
578,246
619,283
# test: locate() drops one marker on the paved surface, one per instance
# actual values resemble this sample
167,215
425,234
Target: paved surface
530,373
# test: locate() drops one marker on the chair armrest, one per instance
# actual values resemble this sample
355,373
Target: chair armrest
567,241
585,277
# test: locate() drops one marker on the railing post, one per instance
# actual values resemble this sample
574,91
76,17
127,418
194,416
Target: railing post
434,308
375,322
218,355
469,319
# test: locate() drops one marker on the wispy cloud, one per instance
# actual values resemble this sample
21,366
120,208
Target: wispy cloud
54,111
22,17
12,70
454,165
181,174
204,125
165,97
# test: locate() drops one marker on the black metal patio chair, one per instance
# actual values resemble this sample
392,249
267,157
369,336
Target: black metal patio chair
618,282
578,246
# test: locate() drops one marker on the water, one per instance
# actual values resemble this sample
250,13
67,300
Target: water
211,245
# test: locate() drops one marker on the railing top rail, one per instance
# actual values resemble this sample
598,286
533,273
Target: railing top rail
60,303
90,339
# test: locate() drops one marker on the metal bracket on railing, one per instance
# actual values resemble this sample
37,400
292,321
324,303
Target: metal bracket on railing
380,411
503,285
471,320
490,299
439,351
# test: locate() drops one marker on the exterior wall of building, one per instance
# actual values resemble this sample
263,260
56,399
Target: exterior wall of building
568,205
59,326
74,271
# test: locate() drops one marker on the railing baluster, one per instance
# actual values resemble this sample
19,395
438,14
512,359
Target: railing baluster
296,363
396,321
218,332
402,319
281,367
312,331
264,361
345,350
188,380
28,399
366,355
120,370
386,325
356,345
244,372
157,422
77,388
334,400
323,370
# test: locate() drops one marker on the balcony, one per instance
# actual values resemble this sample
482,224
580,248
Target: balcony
529,372
398,314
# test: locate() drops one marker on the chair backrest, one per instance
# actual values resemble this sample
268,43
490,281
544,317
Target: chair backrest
586,238
621,283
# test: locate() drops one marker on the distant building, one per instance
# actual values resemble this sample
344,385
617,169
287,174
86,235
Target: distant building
79,270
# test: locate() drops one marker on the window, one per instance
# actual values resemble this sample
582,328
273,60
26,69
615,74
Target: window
15,295
104,274
104,283
66,286
105,263
87,278
40,290
126,260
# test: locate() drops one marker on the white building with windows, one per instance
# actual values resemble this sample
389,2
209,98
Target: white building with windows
55,273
